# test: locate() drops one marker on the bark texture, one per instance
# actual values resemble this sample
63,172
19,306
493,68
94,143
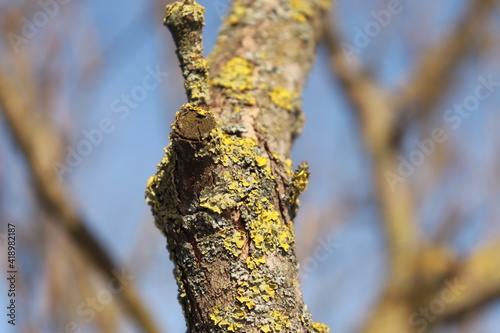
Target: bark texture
224,194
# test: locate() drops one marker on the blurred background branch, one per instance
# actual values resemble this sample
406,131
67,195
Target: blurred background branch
417,267
41,149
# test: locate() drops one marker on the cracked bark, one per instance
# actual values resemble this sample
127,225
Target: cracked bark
224,194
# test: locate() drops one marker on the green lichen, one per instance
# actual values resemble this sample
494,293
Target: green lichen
236,74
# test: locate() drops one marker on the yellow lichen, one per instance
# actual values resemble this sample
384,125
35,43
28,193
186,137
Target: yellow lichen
202,112
176,12
236,74
235,242
248,302
162,184
217,202
247,99
151,180
189,47
182,290
257,289
320,328
286,164
266,230
242,184
237,13
261,161
276,322
244,98
253,262
301,10
282,97
228,318
325,4
299,181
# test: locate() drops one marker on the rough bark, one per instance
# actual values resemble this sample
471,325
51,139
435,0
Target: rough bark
224,194
421,271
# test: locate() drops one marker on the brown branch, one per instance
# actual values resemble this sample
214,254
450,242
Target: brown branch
366,98
37,142
223,195
435,72
376,116
416,269
477,283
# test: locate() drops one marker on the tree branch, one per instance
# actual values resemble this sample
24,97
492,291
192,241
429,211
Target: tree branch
434,73
37,142
477,283
376,116
416,269
224,196
185,21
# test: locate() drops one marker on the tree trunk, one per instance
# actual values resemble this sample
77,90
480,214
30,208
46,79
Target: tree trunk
224,194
